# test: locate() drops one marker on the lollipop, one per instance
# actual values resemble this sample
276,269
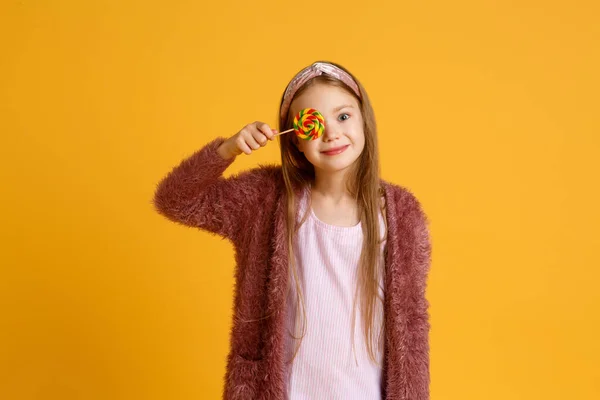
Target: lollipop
308,124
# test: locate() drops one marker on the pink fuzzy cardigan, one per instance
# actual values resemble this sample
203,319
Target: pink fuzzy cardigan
249,209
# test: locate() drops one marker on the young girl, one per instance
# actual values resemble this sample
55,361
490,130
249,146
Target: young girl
331,260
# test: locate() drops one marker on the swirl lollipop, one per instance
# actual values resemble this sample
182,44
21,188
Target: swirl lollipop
309,124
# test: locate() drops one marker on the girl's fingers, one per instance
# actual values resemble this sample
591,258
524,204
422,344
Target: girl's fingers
247,137
265,129
254,136
244,147
259,135
251,140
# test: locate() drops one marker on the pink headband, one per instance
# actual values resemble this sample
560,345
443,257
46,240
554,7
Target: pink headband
316,69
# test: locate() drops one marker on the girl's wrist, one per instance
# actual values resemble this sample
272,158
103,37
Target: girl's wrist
224,150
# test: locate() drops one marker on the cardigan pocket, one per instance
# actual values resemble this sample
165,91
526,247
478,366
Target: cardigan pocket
244,378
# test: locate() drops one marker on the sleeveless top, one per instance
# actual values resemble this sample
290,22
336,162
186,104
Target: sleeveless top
326,365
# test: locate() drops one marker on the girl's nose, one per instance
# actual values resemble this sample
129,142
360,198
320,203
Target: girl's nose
330,133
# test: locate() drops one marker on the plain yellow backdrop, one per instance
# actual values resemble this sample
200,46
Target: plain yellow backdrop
487,111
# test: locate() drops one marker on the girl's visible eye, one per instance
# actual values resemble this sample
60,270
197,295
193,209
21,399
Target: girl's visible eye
342,115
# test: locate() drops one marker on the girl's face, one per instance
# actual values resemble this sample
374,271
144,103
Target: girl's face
343,128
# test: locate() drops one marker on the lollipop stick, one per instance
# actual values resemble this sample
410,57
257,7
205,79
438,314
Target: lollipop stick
281,133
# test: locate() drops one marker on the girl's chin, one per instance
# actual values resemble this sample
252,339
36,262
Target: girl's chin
333,166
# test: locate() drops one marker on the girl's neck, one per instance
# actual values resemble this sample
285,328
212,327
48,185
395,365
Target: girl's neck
332,186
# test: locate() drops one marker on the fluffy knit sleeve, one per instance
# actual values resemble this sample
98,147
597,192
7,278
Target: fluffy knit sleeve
195,194
418,319
409,373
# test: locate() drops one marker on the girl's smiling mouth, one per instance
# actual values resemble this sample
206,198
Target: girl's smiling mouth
335,151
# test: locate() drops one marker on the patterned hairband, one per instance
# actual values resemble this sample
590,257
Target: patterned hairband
316,69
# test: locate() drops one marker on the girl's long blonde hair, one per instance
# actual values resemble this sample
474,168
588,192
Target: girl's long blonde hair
364,185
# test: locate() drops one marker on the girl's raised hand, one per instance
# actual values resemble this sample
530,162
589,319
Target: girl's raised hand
251,137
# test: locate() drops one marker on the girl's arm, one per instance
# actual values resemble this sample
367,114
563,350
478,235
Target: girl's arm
196,194
421,320
414,256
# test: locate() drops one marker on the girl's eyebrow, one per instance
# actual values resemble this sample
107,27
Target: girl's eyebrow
342,107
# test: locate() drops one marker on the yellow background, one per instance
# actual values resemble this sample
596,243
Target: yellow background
488,111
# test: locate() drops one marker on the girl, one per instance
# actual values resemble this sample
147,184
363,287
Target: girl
331,260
